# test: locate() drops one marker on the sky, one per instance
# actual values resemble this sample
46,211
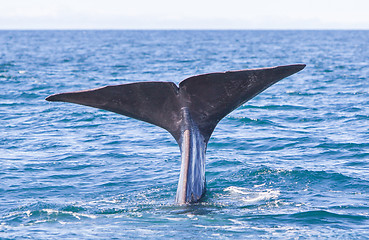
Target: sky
184,14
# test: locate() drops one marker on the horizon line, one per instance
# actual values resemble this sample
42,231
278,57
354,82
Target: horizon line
184,29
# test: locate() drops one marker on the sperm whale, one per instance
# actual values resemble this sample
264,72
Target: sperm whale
189,112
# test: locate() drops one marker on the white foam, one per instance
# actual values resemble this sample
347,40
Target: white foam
74,214
249,196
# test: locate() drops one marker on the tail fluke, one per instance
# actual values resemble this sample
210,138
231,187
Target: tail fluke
208,97
189,112
213,96
152,102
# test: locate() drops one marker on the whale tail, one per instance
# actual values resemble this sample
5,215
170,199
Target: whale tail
190,112
208,97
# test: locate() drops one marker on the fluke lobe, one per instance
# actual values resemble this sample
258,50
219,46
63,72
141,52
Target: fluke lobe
189,112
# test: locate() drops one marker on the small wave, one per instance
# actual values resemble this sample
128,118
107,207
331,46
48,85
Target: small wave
277,107
358,163
344,145
62,214
299,175
43,212
121,66
255,121
249,196
322,216
6,66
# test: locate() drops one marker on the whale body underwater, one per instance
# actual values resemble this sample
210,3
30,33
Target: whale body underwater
189,112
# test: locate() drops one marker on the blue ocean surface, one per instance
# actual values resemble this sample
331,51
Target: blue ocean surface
292,163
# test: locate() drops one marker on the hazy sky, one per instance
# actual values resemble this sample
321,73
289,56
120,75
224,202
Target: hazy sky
184,14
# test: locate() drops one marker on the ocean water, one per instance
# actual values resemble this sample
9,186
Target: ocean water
292,163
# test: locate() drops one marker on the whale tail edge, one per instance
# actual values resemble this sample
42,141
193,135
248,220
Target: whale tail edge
209,97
